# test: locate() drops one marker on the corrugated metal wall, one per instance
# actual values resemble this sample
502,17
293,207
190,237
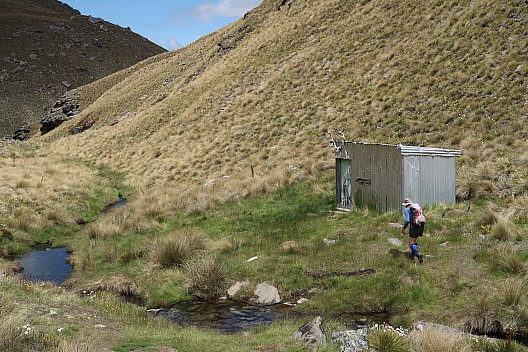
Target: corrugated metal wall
429,179
381,175
375,173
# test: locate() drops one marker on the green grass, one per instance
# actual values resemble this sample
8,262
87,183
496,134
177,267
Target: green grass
286,230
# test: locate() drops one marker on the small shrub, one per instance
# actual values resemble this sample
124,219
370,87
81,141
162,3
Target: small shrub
206,277
386,340
177,249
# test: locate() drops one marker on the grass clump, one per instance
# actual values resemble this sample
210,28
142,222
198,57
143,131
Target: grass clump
206,277
387,340
486,345
501,229
177,248
435,340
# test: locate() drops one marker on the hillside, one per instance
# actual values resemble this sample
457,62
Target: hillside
48,48
263,92
222,151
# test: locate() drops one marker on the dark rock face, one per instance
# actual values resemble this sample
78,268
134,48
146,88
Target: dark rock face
63,110
47,48
22,133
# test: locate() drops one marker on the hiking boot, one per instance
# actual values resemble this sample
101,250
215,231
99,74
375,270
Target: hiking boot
420,257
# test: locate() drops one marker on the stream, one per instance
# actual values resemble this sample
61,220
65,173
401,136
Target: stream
45,263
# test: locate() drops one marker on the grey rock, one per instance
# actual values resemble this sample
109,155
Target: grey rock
233,290
395,242
311,334
266,294
352,340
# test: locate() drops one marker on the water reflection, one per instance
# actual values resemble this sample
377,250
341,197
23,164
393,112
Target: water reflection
223,316
46,263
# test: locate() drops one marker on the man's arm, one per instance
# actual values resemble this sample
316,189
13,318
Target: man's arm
407,218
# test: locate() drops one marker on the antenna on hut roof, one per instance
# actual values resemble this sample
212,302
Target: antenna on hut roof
342,136
333,142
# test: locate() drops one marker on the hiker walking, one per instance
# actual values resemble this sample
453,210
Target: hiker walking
413,216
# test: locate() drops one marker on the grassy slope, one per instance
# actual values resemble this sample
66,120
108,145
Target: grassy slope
437,74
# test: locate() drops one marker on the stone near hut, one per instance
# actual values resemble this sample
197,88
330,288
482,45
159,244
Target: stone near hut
266,295
233,290
352,340
302,300
311,334
395,242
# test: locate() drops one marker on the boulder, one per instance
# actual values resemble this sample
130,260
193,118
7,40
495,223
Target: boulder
266,295
233,290
311,334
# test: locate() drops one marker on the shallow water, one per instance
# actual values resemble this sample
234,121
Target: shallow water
46,263
224,316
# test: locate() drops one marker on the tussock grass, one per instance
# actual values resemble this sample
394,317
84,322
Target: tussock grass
102,229
482,318
486,345
177,248
434,340
206,277
514,292
501,229
119,285
509,259
77,346
383,340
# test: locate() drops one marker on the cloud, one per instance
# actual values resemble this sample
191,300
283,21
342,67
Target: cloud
173,44
225,8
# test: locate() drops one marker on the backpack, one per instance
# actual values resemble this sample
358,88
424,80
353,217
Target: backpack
417,215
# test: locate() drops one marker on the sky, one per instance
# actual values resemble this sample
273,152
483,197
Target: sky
171,24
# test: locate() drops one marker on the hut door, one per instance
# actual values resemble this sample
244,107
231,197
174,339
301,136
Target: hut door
344,185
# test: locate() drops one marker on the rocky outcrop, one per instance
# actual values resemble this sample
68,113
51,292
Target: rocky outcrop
311,334
22,133
66,108
48,48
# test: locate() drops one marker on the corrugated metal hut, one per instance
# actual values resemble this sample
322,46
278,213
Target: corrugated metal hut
381,175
